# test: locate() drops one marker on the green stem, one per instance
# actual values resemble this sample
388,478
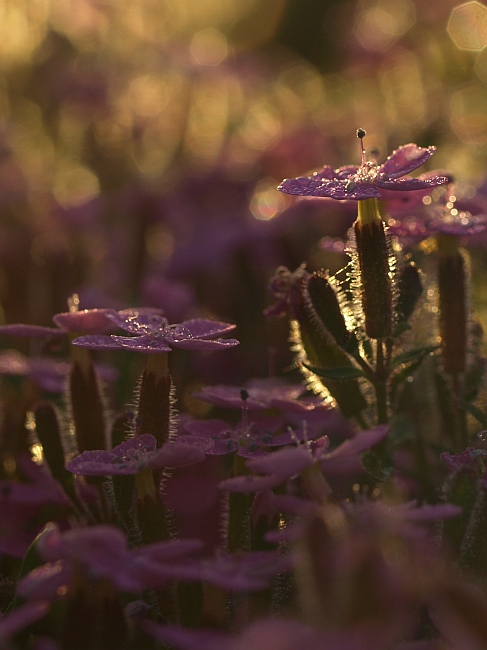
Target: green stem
381,384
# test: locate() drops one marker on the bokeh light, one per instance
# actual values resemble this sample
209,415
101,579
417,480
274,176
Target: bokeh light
468,26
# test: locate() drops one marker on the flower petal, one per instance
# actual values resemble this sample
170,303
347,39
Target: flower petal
95,321
204,328
358,444
97,342
405,159
203,345
144,344
284,462
411,184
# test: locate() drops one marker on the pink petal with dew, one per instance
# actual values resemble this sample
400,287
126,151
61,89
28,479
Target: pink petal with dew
412,184
363,441
94,321
202,345
144,344
96,342
203,328
201,443
406,159
146,442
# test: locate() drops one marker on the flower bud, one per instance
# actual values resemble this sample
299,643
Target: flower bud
375,270
409,289
326,305
452,276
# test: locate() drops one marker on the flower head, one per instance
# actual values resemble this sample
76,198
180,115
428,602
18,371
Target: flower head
367,180
132,456
154,334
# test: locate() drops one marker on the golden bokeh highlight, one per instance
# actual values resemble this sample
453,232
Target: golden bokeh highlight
467,26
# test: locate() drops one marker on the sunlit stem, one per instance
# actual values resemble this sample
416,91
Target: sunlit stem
157,365
144,484
368,212
79,355
315,484
154,405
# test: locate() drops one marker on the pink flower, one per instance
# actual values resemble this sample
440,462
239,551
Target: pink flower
367,181
154,334
134,455
276,468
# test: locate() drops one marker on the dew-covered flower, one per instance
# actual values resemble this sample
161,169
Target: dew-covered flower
446,214
246,438
262,394
134,455
276,468
153,334
367,180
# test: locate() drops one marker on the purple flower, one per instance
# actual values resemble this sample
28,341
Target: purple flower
260,394
466,459
278,467
154,334
87,320
101,552
367,181
447,215
134,455
246,438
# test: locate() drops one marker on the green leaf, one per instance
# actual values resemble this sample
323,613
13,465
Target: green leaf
378,464
411,356
347,372
31,561
476,412
402,430
400,329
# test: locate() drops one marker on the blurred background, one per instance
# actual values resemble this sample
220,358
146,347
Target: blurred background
141,142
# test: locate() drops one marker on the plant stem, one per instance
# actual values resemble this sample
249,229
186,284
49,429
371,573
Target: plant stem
381,384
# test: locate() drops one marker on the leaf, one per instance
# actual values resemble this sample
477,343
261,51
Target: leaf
417,354
476,412
400,329
347,372
378,464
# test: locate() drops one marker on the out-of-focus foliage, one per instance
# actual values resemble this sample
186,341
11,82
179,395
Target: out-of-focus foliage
141,142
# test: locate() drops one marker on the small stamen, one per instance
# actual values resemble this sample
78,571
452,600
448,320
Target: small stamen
361,135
